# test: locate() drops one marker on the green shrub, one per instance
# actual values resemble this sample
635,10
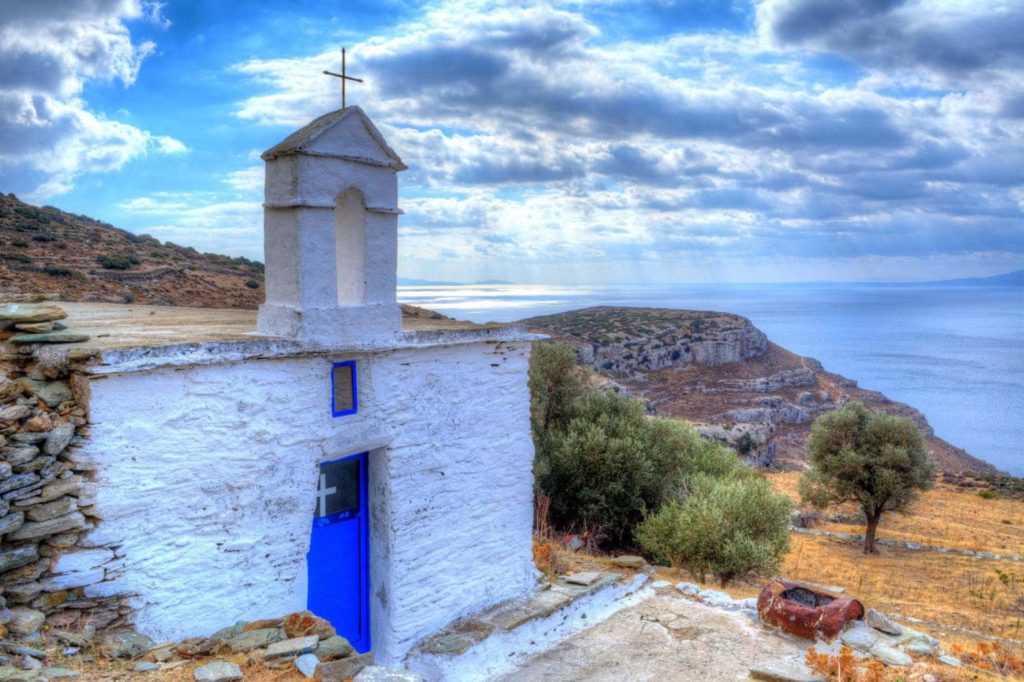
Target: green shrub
988,494
18,257
118,262
727,527
556,383
20,243
57,270
43,238
252,284
611,464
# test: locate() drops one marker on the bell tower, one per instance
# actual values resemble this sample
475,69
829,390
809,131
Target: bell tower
330,230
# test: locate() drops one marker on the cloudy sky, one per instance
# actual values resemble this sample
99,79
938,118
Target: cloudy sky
607,141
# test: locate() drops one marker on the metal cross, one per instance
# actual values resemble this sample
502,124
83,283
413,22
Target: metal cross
323,492
344,77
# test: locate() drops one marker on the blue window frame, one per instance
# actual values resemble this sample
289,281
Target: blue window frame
344,388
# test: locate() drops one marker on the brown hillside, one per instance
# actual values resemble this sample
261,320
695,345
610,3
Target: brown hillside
46,249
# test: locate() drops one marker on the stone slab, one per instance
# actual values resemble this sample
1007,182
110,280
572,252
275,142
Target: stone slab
786,670
586,579
293,647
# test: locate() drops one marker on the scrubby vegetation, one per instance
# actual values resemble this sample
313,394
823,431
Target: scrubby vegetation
117,262
604,466
728,527
45,249
873,459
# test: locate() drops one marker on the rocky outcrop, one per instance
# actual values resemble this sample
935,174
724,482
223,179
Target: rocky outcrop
625,341
755,443
780,380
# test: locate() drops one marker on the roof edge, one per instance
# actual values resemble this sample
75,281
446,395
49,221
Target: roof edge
298,141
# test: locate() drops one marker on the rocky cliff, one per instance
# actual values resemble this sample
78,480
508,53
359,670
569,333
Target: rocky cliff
720,372
628,341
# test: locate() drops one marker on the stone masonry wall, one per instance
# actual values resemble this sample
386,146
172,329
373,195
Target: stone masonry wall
49,571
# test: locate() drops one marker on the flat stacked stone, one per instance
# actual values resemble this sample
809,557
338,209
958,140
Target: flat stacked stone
28,318
52,577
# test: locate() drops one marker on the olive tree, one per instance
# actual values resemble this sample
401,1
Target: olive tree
875,460
611,463
556,382
729,527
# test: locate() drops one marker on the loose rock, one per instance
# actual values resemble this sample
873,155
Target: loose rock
128,644
303,624
50,337
217,671
293,647
336,671
881,623
859,636
254,639
31,312
34,327
586,578
333,648
891,655
785,670
628,561
306,664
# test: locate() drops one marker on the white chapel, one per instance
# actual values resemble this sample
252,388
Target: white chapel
323,454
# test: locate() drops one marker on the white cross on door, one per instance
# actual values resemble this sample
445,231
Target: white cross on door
323,492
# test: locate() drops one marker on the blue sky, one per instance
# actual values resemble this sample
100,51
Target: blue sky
607,141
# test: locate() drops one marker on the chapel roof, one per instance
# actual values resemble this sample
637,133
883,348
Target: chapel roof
300,141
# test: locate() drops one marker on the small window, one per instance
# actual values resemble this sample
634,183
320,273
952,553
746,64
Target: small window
344,391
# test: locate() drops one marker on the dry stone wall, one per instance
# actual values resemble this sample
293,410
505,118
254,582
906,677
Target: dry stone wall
50,573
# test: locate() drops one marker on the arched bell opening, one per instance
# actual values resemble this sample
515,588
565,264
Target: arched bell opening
350,247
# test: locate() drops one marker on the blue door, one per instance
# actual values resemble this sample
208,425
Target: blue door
339,580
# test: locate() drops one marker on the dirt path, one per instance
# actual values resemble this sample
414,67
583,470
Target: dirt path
665,638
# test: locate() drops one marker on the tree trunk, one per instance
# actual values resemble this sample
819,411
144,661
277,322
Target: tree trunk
869,537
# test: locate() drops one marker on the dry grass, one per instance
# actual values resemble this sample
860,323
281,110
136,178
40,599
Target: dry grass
945,517
954,590
957,591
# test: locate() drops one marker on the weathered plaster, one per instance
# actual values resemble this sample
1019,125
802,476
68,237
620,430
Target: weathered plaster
207,477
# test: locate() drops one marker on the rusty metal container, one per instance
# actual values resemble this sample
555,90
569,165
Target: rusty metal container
805,611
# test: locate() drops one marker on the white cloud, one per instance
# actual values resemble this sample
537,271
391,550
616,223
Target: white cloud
50,51
532,139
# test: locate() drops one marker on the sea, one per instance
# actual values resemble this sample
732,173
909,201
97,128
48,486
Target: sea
955,352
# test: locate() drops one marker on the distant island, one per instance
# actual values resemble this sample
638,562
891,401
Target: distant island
1008,279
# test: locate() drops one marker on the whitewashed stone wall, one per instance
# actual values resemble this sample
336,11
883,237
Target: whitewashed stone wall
206,480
